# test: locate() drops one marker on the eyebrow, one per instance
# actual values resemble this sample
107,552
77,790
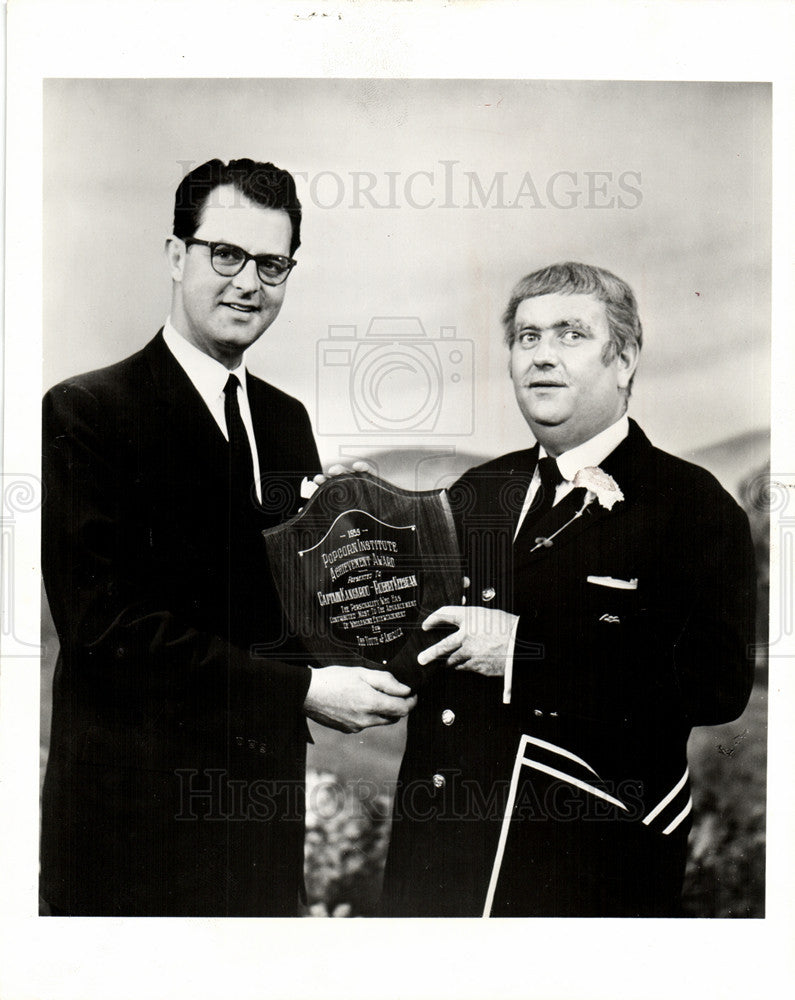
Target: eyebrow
237,246
560,325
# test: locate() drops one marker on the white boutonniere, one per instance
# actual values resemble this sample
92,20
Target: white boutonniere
601,486
598,486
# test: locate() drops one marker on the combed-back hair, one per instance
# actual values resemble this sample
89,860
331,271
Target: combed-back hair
262,183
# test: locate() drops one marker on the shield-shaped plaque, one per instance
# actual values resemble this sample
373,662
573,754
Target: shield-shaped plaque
361,567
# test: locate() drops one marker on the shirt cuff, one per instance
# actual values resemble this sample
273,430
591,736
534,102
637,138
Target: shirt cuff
508,678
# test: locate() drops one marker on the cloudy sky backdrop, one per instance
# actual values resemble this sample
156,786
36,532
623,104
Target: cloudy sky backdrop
424,202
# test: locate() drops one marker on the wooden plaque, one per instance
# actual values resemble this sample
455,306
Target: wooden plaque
361,567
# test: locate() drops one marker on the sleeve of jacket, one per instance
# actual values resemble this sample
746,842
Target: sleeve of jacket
711,634
114,616
684,651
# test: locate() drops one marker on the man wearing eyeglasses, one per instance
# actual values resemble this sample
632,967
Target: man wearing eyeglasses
174,784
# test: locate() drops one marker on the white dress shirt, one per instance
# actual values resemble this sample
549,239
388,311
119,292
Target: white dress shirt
209,378
586,455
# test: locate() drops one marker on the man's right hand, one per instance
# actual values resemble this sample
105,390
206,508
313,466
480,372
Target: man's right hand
353,698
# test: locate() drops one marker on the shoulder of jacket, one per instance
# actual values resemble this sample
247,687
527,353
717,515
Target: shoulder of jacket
270,394
512,463
130,374
685,482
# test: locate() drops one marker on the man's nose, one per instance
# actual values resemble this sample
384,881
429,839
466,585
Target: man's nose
247,280
545,352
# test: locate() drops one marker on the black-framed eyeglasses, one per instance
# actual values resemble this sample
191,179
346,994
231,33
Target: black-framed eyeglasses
229,260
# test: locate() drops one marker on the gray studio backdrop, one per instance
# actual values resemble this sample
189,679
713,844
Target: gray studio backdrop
424,201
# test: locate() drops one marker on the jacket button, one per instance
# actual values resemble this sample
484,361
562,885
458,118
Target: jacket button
537,712
488,594
439,781
263,748
448,717
252,744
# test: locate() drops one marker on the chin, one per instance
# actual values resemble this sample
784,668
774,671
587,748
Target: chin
240,336
545,419
546,428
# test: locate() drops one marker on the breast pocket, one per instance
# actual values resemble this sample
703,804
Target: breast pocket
612,600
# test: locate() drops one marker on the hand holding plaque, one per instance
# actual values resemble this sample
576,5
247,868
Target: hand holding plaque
354,698
361,567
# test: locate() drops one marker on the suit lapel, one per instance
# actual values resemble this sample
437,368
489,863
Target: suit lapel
195,439
563,518
263,421
511,495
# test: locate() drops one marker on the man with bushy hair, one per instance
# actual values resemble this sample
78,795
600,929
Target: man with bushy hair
611,608
572,278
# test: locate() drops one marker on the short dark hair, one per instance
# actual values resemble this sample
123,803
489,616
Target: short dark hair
262,183
572,278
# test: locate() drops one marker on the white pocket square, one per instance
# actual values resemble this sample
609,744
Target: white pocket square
611,581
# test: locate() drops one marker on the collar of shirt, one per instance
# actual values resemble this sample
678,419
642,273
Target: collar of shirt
589,453
207,375
209,378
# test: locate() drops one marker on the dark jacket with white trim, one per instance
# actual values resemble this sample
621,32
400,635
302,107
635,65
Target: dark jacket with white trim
588,762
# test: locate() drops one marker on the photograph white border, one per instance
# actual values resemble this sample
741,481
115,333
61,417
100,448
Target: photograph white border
114,959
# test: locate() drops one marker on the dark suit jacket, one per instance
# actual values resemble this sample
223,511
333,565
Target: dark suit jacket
174,782
588,762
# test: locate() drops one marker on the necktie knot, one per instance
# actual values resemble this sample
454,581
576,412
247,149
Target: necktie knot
542,501
231,386
550,479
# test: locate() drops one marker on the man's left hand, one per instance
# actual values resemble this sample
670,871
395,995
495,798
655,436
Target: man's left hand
481,643
308,489
340,470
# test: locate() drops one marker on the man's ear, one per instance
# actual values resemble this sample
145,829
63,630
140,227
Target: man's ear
627,362
175,254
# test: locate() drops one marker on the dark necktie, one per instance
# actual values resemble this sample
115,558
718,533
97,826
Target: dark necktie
241,466
543,500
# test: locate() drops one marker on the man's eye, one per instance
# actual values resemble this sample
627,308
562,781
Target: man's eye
270,266
572,335
527,339
228,255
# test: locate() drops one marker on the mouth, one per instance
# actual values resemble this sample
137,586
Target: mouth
241,307
546,384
